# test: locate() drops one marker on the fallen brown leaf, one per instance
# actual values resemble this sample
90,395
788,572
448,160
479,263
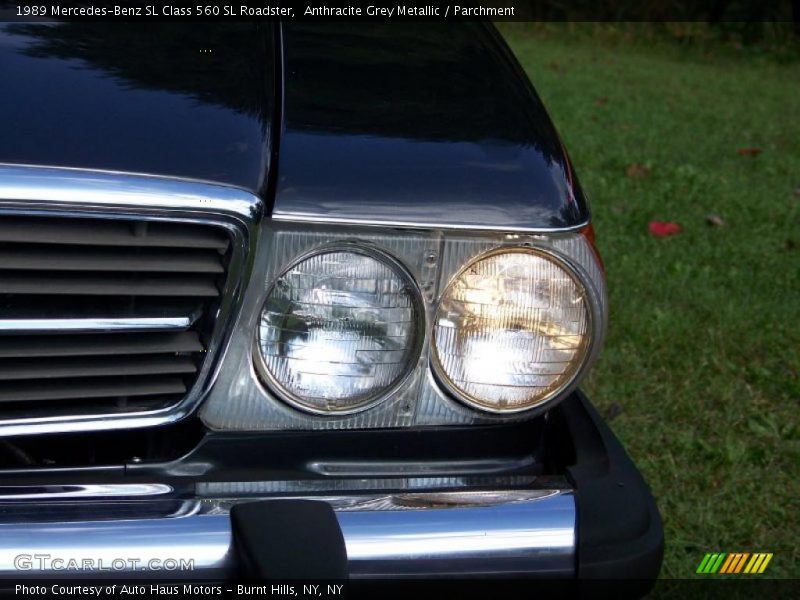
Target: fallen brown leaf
749,151
614,410
601,101
637,170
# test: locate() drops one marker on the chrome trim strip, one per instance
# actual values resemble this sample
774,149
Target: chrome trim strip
458,533
58,492
95,325
297,217
31,186
56,191
358,485
399,468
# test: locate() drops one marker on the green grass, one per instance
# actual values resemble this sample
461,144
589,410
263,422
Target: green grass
703,351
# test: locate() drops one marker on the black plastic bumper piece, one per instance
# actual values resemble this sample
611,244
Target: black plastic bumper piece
288,539
620,535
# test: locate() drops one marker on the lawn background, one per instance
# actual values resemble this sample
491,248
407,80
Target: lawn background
699,376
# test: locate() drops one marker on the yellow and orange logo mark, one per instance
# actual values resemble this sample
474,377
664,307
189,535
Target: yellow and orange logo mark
735,562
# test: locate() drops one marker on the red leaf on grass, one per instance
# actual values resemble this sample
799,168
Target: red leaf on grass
663,228
749,151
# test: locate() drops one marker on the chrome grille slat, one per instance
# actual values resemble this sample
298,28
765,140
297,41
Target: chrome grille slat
99,345
111,258
69,389
102,285
95,324
112,232
103,314
73,367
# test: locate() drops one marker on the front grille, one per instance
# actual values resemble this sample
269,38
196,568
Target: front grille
104,316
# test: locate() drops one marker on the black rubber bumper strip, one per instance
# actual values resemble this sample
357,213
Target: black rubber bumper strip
620,534
288,539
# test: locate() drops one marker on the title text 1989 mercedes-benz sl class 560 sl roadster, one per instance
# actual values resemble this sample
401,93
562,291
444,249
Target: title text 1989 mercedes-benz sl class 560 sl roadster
312,304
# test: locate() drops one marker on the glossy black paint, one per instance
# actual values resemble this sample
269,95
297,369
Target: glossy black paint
422,123
184,453
620,533
417,123
140,98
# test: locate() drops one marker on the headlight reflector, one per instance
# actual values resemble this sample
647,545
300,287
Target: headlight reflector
512,330
339,330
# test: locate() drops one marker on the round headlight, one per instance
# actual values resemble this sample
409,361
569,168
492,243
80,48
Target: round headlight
339,330
512,330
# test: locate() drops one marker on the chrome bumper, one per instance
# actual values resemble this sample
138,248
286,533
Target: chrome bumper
413,534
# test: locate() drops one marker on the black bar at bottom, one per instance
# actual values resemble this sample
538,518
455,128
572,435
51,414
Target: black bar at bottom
289,539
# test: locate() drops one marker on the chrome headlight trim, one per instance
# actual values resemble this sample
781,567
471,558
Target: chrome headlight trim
420,328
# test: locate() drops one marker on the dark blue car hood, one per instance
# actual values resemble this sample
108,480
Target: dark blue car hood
139,98
417,124
408,123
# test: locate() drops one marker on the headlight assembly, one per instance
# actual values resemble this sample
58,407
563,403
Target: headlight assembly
348,327
511,330
340,328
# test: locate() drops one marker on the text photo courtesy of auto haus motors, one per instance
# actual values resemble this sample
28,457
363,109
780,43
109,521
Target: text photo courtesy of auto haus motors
308,301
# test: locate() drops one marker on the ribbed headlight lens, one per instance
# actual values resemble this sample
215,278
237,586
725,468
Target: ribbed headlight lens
339,330
512,330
